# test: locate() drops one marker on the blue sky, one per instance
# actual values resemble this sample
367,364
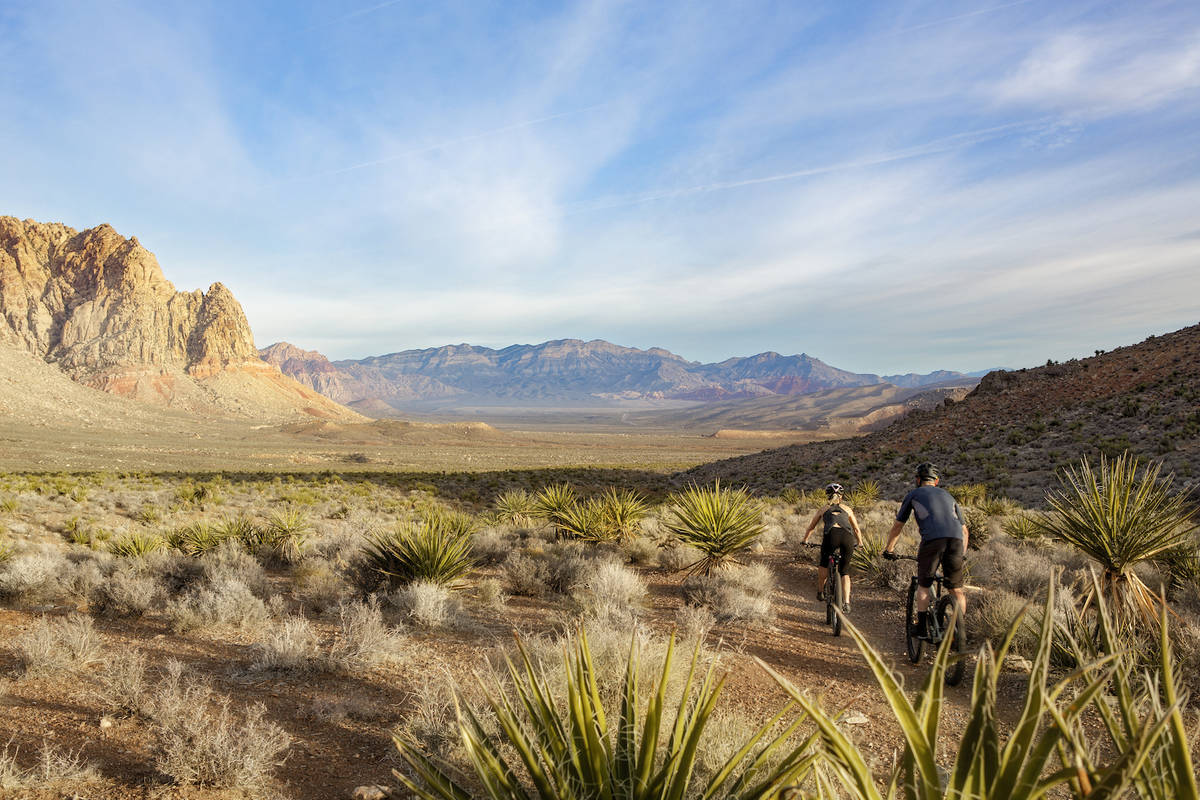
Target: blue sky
888,186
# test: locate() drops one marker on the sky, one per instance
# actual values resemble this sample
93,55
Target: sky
890,187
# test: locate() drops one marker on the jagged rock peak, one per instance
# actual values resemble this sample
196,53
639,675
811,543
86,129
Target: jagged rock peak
93,302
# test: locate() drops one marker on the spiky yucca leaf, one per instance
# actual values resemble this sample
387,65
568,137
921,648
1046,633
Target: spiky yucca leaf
516,507
570,749
436,549
136,545
1120,519
196,539
623,510
553,500
586,521
718,522
285,534
6,551
864,494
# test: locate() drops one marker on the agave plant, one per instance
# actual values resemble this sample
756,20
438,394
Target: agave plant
136,545
570,748
436,549
623,511
718,522
1119,518
516,507
1045,748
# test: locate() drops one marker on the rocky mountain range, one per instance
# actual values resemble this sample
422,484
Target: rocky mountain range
1016,430
567,371
97,306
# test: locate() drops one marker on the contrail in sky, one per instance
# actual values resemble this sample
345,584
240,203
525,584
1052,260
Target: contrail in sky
944,20
451,142
360,12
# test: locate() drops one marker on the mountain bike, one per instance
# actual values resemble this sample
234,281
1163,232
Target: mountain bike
943,608
833,592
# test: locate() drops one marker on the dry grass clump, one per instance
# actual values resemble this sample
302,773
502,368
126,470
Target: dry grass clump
290,645
59,645
642,551
490,592
55,768
694,622
126,591
1019,570
365,640
224,602
734,595
428,605
201,740
32,577
612,592
527,575
318,585
123,686
492,545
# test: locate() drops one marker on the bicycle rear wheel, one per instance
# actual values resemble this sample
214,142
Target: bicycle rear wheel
947,609
834,610
912,643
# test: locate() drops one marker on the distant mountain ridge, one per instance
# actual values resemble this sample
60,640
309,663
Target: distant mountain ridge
568,370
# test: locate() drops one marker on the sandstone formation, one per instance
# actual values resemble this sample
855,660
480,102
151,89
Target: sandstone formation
97,306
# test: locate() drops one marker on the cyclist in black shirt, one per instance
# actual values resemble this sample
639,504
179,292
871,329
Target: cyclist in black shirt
841,533
944,538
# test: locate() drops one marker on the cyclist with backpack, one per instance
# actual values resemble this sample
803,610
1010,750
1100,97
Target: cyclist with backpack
944,537
841,532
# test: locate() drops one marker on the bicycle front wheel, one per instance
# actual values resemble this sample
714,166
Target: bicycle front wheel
947,609
913,643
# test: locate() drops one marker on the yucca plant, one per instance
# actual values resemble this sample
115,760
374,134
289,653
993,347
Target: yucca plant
1022,527
196,539
285,534
1044,749
6,551
551,501
969,494
623,510
1119,518
587,521
572,749
136,545
718,522
240,528
864,494
515,507
436,549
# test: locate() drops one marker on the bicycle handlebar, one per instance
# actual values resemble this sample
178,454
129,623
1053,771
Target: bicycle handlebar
898,556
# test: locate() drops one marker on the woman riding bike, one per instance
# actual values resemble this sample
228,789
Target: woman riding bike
841,533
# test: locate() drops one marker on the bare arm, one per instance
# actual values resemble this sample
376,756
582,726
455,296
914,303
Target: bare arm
816,518
893,535
966,538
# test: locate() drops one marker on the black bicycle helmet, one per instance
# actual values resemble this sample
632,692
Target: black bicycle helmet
927,472
834,488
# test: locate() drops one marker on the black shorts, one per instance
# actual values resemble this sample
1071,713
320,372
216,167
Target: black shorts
948,553
841,540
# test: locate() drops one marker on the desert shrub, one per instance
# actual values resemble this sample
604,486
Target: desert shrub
201,740
734,595
641,550
59,645
721,523
123,685
148,513
364,639
6,550
124,592
613,592
428,604
977,524
136,545
676,556
54,768
490,592
288,646
317,585
229,562
32,577
490,545
569,564
515,507
694,622
527,575
550,501
1019,570
621,512
436,550
284,536
968,494
224,602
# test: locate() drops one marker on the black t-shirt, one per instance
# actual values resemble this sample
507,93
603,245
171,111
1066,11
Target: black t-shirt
836,517
938,514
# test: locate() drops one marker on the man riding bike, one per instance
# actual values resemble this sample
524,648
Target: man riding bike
841,533
944,538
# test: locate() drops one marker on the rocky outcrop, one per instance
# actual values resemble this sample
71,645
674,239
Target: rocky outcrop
98,306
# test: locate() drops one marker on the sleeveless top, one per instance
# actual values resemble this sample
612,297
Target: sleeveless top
836,517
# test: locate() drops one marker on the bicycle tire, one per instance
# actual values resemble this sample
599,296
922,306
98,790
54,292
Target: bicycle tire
912,642
836,607
958,644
